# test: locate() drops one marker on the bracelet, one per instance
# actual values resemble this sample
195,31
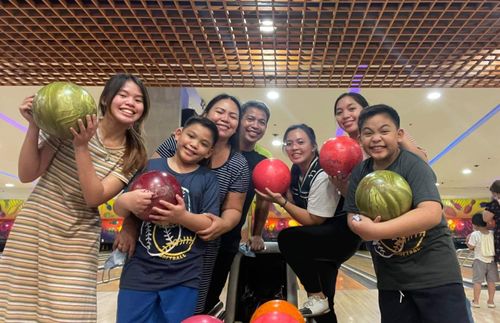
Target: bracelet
286,201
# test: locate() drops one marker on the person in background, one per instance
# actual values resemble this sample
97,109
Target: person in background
160,281
484,266
492,213
49,265
418,275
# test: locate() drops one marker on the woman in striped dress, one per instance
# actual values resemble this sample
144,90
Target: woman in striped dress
49,265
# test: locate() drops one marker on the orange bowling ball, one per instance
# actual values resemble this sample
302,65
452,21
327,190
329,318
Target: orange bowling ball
277,306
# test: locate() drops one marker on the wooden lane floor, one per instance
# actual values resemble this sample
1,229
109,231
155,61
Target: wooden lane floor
355,301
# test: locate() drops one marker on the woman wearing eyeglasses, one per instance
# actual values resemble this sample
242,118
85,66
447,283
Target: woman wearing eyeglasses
316,249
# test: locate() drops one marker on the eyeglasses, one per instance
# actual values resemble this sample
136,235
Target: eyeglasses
289,144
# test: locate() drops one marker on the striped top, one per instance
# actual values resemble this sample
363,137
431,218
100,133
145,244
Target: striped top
233,176
49,265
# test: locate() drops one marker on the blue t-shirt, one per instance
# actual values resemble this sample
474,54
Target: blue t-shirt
423,260
167,256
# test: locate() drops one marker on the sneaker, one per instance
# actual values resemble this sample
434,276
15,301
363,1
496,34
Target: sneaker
314,306
491,305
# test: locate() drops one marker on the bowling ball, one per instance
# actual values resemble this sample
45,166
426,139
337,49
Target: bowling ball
201,319
163,185
383,193
58,106
276,317
339,155
284,310
273,174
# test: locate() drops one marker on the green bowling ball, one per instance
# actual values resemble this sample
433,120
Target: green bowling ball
58,106
383,193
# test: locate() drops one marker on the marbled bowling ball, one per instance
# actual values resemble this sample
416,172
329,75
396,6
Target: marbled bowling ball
58,106
163,185
383,193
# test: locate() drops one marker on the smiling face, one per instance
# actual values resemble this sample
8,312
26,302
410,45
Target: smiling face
346,114
225,115
380,138
299,147
253,125
194,143
127,105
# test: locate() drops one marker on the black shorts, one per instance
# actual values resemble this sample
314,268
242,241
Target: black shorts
438,304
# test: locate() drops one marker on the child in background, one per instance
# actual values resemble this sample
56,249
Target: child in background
49,265
484,266
161,280
418,275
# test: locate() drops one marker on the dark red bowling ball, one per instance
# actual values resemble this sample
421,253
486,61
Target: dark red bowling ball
339,155
273,174
163,185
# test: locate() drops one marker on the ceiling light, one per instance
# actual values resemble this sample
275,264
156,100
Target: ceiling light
433,95
9,185
276,142
466,171
437,184
267,26
273,95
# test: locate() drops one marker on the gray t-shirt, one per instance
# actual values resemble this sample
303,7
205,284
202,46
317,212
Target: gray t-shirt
423,260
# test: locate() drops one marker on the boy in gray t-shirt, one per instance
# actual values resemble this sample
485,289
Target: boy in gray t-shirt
418,275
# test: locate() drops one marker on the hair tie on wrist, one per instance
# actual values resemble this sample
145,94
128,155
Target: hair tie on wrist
286,201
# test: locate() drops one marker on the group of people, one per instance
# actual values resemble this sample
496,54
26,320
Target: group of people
179,261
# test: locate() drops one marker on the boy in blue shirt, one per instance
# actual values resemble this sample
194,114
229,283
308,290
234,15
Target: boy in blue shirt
160,281
418,275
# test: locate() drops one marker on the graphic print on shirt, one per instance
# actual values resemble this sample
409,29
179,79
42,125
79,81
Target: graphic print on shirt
400,246
169,242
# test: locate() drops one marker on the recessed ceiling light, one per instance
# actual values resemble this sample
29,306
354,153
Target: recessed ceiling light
9,185
267,26
433,95
276,142
273,95
466,171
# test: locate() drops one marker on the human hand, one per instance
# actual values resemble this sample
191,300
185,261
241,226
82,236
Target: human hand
365,227
270,196
256,243
125,240
81,139
341,182
26,109
138,201
215,230
169,213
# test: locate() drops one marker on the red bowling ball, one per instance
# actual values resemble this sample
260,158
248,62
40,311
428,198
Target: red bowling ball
339,155
163,185
273,174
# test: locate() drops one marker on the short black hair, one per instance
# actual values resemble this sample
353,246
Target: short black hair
257,105
374,110
355,96
495,186
186,114
205,122
477,219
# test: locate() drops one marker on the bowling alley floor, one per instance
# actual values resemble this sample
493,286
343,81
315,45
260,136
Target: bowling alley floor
355,300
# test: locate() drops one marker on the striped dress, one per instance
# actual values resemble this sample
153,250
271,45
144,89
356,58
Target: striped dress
49,265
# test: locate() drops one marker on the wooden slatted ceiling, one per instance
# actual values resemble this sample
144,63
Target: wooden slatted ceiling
219,44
